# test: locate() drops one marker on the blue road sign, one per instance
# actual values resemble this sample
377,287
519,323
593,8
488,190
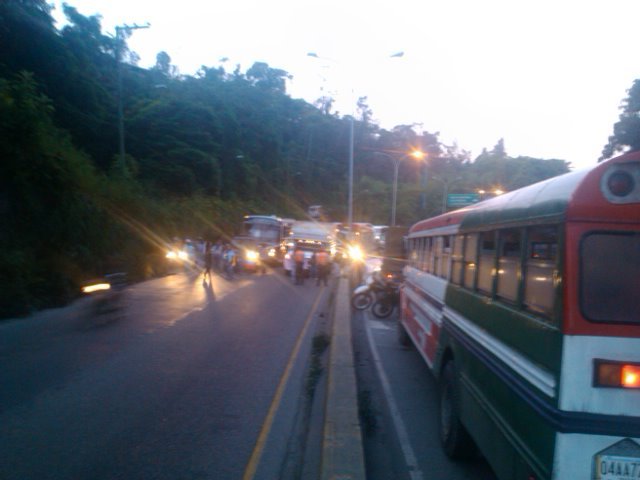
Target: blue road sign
462,199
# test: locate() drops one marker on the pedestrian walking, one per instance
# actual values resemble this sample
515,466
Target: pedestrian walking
322,267
298,258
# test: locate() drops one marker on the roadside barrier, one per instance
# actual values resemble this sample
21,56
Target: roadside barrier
342,453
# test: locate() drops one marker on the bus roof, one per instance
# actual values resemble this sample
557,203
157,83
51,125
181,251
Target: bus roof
544,201
573,196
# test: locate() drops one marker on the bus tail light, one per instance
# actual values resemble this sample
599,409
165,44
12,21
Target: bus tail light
612,374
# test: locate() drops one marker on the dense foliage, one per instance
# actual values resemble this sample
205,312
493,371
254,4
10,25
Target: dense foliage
200,151
626,132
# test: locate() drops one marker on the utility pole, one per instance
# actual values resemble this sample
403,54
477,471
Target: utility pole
119,41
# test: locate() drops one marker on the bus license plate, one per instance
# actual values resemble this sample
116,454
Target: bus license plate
612,467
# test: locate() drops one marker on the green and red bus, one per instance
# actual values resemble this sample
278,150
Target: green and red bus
526,308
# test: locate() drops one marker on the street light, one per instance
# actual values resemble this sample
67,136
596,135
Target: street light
495,192
351,140
418,155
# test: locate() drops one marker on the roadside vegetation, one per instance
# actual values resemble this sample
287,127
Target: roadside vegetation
201,151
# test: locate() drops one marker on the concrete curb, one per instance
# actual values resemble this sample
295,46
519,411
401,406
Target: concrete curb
342,453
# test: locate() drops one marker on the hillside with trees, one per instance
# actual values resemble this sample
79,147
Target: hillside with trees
201,151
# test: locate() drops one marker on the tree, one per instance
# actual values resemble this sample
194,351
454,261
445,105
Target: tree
163,65
51,224
490,170
364,111
499,151
626,132
262,75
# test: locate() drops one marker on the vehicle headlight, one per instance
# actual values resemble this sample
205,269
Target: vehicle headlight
95,287
182,255
252,255
356,253
171,254
271,252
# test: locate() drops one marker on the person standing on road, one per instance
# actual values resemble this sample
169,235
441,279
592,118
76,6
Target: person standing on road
207,259
298,258
313,266
322,266
229,261
216,253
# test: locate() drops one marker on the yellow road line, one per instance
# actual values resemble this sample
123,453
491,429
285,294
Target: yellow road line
254,460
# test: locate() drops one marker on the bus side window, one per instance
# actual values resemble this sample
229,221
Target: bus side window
421,249
470,259
542,253
446,254
413,256
457,260
486,262
509,264
437,255
426,265
418,246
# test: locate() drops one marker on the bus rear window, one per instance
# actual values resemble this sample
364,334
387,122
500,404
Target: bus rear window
610,277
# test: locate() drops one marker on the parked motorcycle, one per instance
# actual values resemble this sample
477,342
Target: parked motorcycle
387,302
365,295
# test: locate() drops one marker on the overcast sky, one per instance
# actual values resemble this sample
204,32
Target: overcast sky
548,76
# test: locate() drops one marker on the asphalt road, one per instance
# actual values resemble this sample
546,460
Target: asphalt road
399,409
174,379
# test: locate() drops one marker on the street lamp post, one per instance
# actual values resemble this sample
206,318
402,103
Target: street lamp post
396,159
351,147
394,197
119,39
350,200
445,189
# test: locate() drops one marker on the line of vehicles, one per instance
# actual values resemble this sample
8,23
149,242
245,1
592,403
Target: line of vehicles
269,240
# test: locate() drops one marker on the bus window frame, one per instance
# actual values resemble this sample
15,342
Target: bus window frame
519,266
554,313
580,273
491,292
467,262
457,258
445,256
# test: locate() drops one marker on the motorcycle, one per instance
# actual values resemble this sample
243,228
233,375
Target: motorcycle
364,295
387,302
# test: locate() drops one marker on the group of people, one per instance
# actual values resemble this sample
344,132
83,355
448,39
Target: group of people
320,266
221,257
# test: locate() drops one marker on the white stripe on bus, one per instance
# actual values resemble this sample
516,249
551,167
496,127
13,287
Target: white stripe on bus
540,378
577,393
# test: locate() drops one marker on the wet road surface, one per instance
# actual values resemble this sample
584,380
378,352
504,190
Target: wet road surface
172,379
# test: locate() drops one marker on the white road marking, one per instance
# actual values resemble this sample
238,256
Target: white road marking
407,450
